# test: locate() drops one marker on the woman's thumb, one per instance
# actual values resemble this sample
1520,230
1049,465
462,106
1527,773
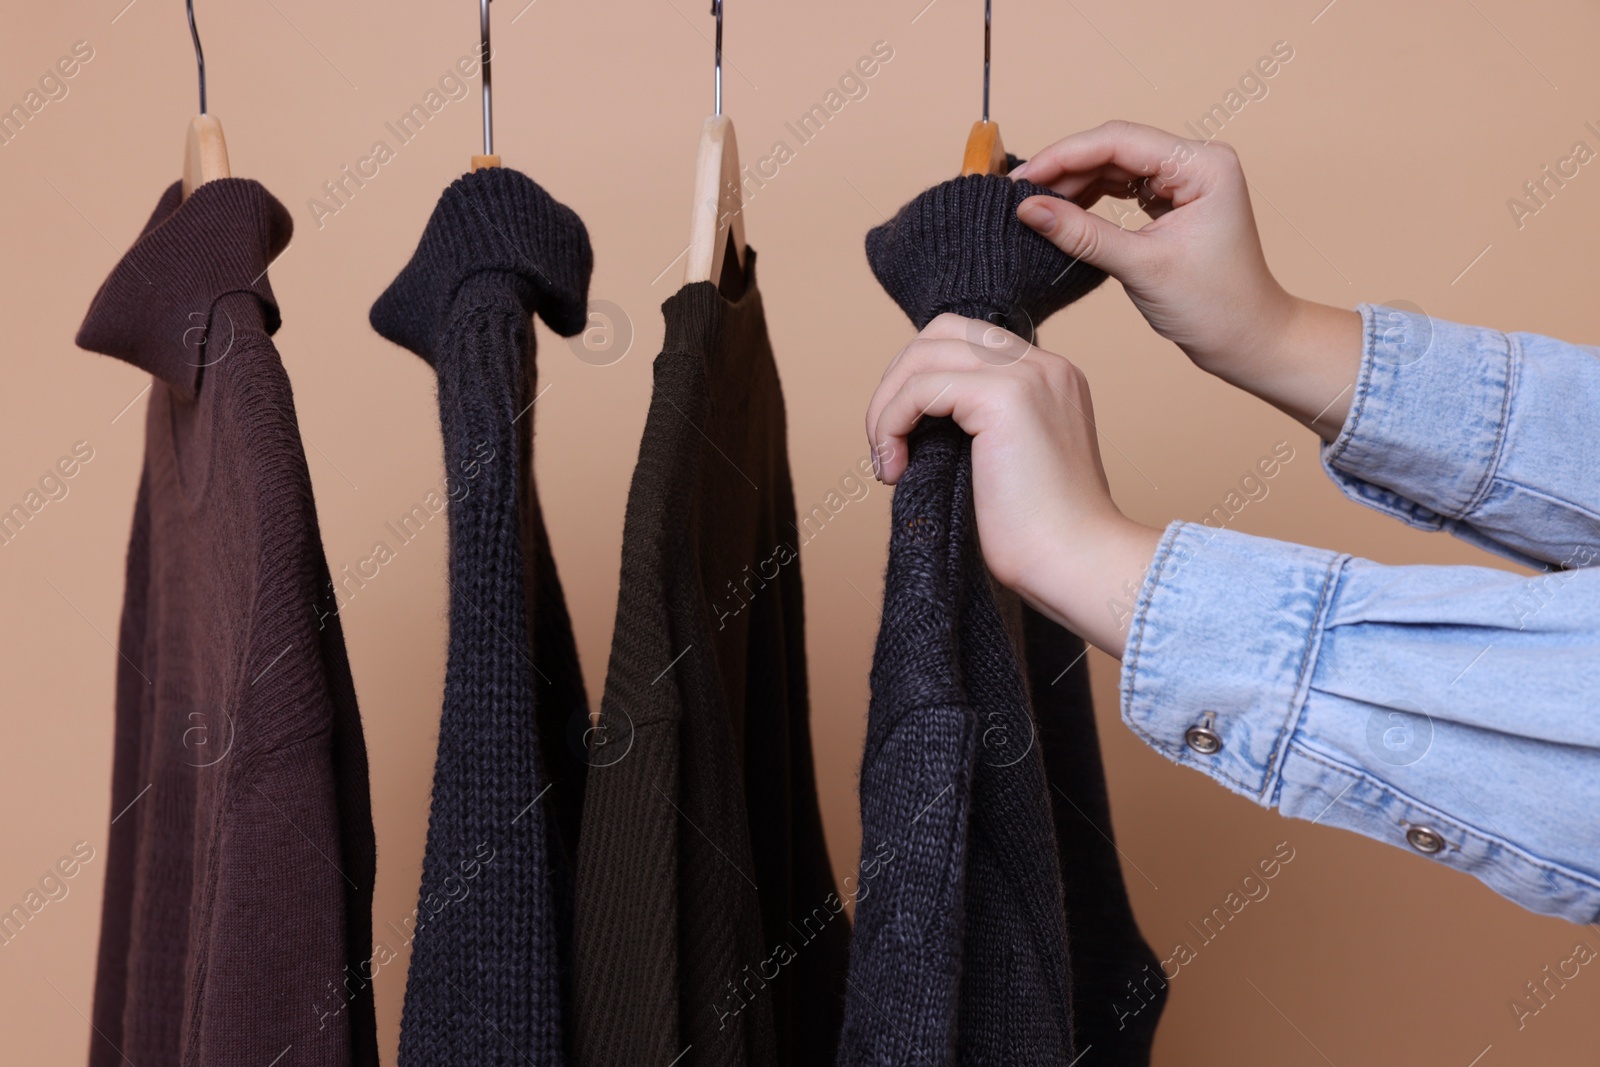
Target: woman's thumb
1081,234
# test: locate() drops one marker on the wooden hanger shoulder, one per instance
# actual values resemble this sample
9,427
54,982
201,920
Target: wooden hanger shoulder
985,154
716,224
205,154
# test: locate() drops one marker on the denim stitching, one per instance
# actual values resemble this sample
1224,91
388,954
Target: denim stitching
1177,753
1435,815
1358,399
1498,452
1293,716
1391,503
1565,505
1144,608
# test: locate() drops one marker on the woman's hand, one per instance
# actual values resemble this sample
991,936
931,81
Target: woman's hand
1196,272
1046,520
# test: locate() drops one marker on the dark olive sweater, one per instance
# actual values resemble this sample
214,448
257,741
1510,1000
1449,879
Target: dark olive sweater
487,983
709,930
237,916
966,947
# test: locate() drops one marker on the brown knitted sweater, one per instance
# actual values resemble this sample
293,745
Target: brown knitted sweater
236,923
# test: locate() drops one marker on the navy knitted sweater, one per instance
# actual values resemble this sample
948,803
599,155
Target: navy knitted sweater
960,952
487,980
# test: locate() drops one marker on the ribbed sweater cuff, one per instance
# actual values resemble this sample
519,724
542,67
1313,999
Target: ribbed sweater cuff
960,247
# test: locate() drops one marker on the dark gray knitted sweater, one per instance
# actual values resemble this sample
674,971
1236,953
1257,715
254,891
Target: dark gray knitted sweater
488,964
960,953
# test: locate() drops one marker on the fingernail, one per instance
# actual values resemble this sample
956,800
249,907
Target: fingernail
1018,171
877,464
1034,214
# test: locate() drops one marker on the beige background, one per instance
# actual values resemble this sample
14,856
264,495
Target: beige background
1381,159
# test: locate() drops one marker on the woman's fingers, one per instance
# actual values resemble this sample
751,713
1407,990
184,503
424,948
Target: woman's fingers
1083,235
966,354
1132,147
1072,186
1088,186
948,343
960,394
983,340
1149,201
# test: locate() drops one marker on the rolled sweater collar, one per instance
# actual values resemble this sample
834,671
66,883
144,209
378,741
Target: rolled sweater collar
154,307
960,247
493,221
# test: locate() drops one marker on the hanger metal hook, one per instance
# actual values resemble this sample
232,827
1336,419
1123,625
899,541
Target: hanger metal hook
483,55
987,5
716,9
199,56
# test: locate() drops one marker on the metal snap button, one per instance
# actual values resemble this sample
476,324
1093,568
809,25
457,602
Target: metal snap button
1425,839
1205,741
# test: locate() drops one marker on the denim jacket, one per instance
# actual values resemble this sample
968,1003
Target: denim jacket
1450,710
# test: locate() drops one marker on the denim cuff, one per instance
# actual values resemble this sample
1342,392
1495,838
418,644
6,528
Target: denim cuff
1223,641
1427,421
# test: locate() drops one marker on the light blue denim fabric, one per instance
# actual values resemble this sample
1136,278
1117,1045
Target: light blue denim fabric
1398,701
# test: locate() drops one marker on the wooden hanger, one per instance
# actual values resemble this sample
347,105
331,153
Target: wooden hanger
985,154
716,222
488,159
205,153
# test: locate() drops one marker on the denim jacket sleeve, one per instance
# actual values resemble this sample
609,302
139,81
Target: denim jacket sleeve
1446,710
1491,436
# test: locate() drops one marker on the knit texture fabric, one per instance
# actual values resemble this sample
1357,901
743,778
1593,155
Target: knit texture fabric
1118,990
488,981
961,946
237,916
708,929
